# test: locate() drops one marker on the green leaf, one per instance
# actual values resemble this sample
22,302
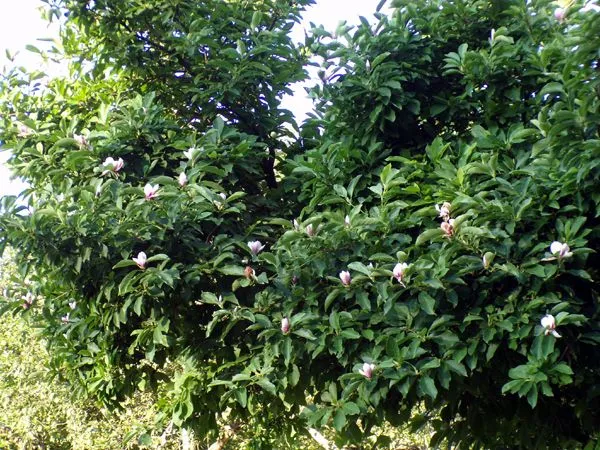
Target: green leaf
433,234
339,420
306,334
427,387
379,59
124,263
427,303
351,409
232,270
267,386
456,367
349,333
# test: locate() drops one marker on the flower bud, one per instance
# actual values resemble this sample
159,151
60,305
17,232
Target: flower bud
487,259
310,231
182,179
448,227
559,14
249,272
345,277
399,271
285,325
140,260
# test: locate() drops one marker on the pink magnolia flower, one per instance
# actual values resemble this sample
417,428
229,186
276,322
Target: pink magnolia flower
444,210
560,250
296,225
65,318
448,227
150,191
559,14
112,165
285,325
399,271
140,260
347,220
345,277
367,370
310,231
549,324
182,179
255,247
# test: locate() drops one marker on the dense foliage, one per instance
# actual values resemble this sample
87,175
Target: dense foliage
39,411
429,236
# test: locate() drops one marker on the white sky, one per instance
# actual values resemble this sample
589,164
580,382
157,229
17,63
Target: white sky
20,24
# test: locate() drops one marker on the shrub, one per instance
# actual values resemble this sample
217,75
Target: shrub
428,237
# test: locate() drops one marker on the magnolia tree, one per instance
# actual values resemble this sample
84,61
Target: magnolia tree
421,250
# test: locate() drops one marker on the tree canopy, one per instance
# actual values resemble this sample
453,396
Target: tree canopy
422,249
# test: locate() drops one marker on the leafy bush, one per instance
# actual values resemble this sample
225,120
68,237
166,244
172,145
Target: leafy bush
309,279
39,411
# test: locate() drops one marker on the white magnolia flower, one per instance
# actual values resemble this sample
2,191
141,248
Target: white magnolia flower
182,179
560,250
189,153
81,140
590,6
255,247
399,271
444,210
549,324
140,260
